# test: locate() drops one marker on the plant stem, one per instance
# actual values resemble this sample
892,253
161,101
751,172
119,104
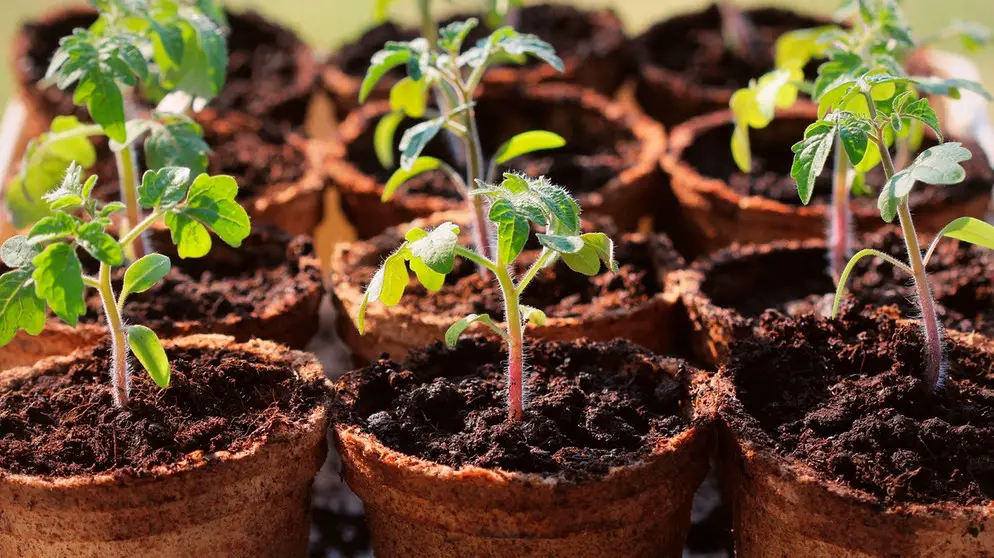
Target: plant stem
428,25
839,232
935,364
137,231
534,269
515,346
120,375
127,172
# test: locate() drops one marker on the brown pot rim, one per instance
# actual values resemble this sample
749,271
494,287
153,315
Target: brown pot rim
534,486
348,288
649,134
305,364
809,481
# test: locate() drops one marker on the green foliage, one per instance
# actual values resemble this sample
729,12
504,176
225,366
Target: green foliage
939,165
145,345
527,142
176,141
144,274
969,229
210,205
456,330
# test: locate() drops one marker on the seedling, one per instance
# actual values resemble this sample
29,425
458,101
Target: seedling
495,11
46,268
454,76
517,203
878,39
163,46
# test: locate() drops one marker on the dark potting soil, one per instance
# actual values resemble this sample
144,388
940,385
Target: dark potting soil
263,273
847,398
590,406
711,156
959,274
63,422
693,46
558,291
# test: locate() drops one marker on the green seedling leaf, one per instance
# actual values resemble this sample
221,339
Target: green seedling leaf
20,307
17,251
135,129
520,44
939,165
387,285
210,204
527,142
58,278
60,225
148,350
99,244
452,36
855,140
190,237
950,87
561,244
166,186
177,142
392,55
401,175
973,35
603,246
810,155
416,138
383,136
741,150
922,112
533,316
456,330
144,274
409,97
585,261
205,57
797,48
437,248
512,230
110,209
969,229
597,248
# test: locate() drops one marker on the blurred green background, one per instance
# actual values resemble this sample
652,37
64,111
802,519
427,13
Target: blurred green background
326,23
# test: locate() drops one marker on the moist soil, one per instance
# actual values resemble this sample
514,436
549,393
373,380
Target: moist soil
847,398
262,273
693,46
710,155
959,274
558,291
591,406
63,422
261,65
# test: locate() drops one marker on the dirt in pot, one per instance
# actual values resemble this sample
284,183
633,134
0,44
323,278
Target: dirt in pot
63,423
710,155
693,46
847,398
264,273
590,406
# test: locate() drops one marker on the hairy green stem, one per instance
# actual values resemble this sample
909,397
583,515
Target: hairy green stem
515,346
840,224
428,25
127,172
135,232
534,269
120,375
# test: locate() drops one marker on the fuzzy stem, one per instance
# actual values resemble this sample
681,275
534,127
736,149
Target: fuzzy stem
137,231
839,237
534,269
120,375
428,25
515,346
127,172
936,369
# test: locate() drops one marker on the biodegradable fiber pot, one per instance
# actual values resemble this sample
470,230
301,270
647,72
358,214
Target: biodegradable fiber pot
612,446
270,288
832,446
608,161
724,205
638,303
592,44
219,464
271,72
685,68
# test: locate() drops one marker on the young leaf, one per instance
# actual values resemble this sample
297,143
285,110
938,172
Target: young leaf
58,278
585,261
512,231
437,248
533,316
387,285
190,237
416,138
211,202
601,245
20,307
810,155
401,175
854,140
939,165
383,136
177,142
60,225
456,330
144,274
951,87
205,57
166,187
797,48
409,97
969,229
99,244
148,350
17,251
921,111
519,44
527,142
392,55
561,244
741,151
452,36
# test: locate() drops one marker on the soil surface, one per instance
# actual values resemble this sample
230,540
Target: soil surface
959,274
63,422
693,46
847,398
711,156
263,273
591,406
558,291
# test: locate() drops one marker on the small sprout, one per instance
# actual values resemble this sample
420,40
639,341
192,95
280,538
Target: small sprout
517,203
46,268
454,75
494,11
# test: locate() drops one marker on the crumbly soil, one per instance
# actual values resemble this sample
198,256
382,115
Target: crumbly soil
242,282
558,291
63,422
590,406
693,46
847,398
959,274
710,155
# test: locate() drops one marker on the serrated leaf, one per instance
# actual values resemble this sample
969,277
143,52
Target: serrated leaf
145,273
921,111
17,251
437,248
810,155
456,330
383,136
561,244
148,350
166,186
58,278
20,307
452,36
381,63
520,44
527,142
939,165
177,142
210,202
102,246
415,139
60,225
401,175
